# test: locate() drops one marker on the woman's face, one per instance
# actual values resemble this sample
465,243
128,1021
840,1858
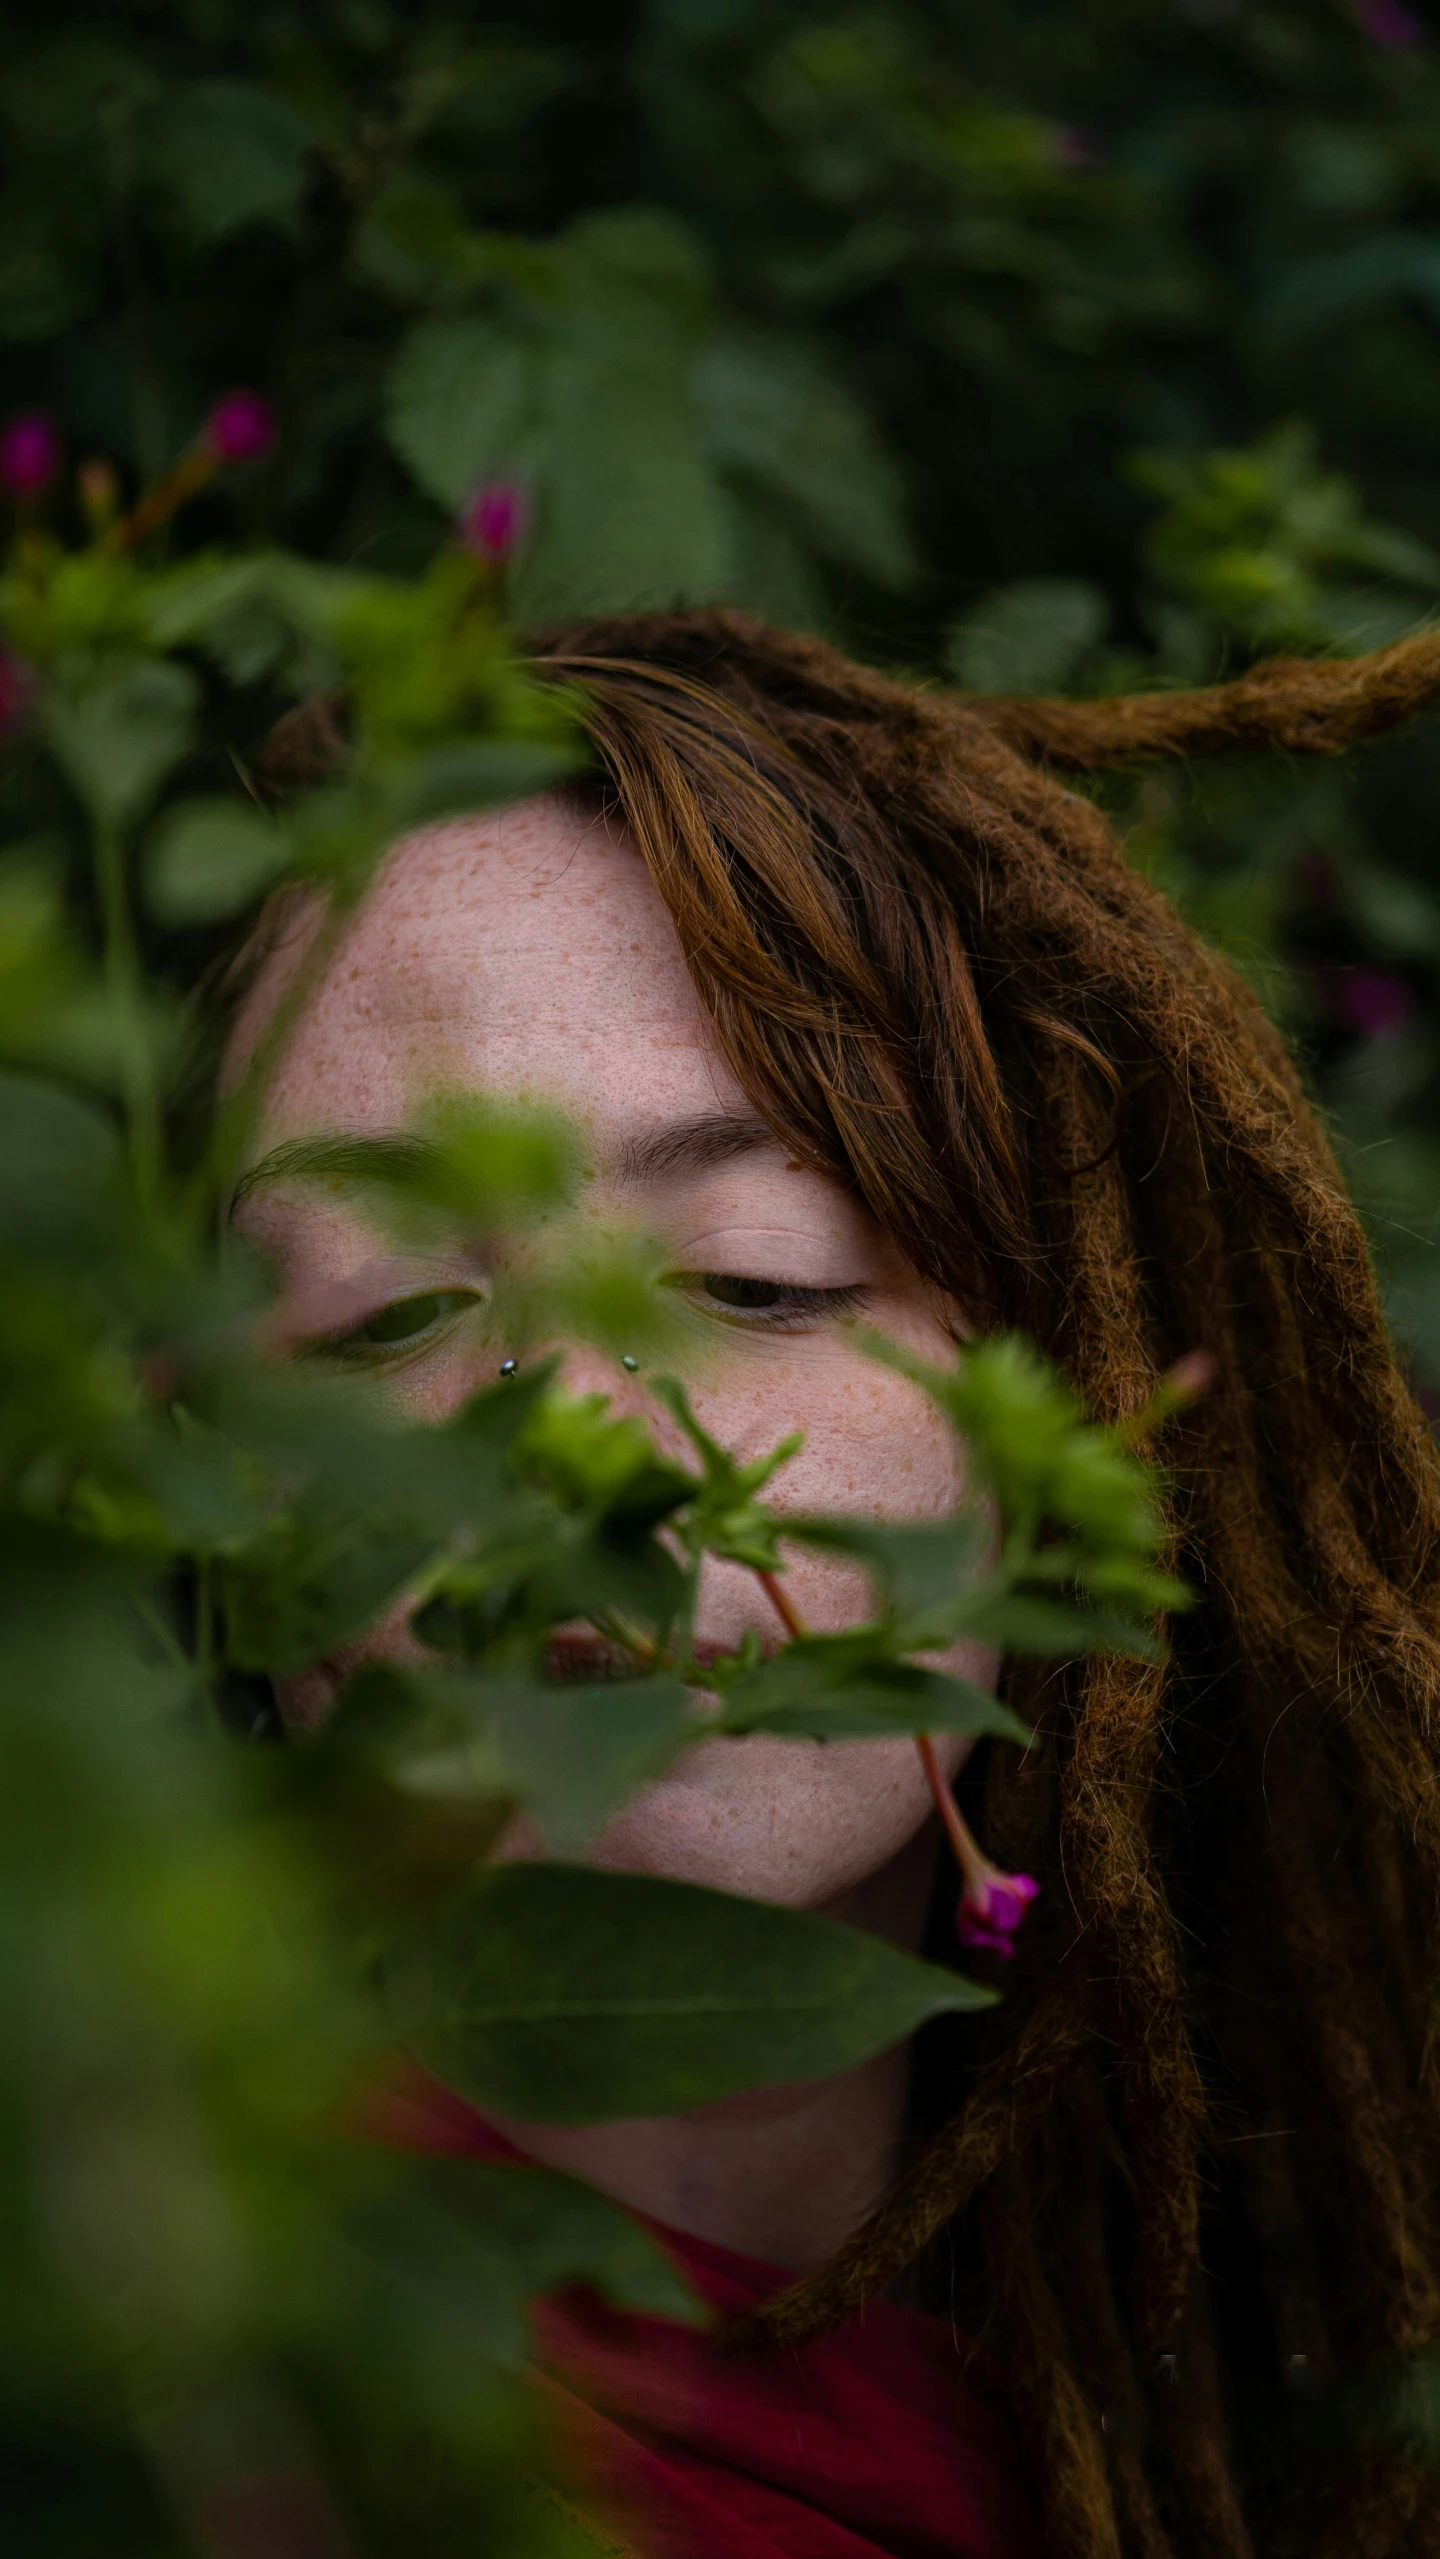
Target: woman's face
528,954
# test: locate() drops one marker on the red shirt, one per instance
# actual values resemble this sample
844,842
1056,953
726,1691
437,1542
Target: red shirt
887,2439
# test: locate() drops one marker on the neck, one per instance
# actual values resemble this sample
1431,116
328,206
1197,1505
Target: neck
783,2173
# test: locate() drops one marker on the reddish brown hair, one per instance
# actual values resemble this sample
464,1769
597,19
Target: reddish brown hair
936,975
1198,2158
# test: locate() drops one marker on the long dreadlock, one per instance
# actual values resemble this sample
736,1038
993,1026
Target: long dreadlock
935,974
1198,2153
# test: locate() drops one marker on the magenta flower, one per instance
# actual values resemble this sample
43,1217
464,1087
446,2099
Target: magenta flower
240,427
1376,1001
492,521
1389,23
30,454
992,1907
19,685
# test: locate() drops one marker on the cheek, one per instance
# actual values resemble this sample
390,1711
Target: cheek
783,1821
801,1823
874,1446
872,1442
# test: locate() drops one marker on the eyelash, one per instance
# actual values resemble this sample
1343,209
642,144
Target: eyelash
789,1310
366,1346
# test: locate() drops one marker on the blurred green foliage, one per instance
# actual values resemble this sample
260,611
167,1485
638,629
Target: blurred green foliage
1052,344
231,2322
1064,344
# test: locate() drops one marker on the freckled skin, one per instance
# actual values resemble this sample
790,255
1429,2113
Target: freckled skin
528,953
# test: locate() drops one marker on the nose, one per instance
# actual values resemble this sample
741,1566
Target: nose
584,1370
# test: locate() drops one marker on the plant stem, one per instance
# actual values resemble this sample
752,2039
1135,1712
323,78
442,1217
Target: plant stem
969,1856
123,978
966,1853
779,1598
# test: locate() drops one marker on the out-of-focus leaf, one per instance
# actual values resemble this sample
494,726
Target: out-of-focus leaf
1029,637
850,1687
1316,294
494,2237
567,1996
318,1579
1399,914
584,389
228,153
920,1568
47,283
776,416
474,1164
463,401
59,1171
571,1753
117,736
210,859
1014,1621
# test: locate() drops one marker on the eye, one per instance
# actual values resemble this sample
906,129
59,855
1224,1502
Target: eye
741,1292
769,1305
406,1324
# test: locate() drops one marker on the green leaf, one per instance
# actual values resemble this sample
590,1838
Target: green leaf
584,387
462,402
1029,637
600,1463
316,1580
777,419
571,1754
228,154
722,1516
1050,1629
851,1687
46,284
117,736
210,859
472,1163
498,2237
567,1996
59,1172
578,1753
920,1568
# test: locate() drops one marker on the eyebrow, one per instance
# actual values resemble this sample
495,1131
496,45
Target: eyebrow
328,1158
693,1146
687,1146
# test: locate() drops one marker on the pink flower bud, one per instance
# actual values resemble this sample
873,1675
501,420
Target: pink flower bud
991,1909
240,428
29,454
1193,1374
492,521
19,685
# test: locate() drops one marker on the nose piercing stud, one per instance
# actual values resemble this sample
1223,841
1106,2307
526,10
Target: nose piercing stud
508,1367
627,1362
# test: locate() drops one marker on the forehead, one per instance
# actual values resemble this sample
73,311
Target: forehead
525,951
